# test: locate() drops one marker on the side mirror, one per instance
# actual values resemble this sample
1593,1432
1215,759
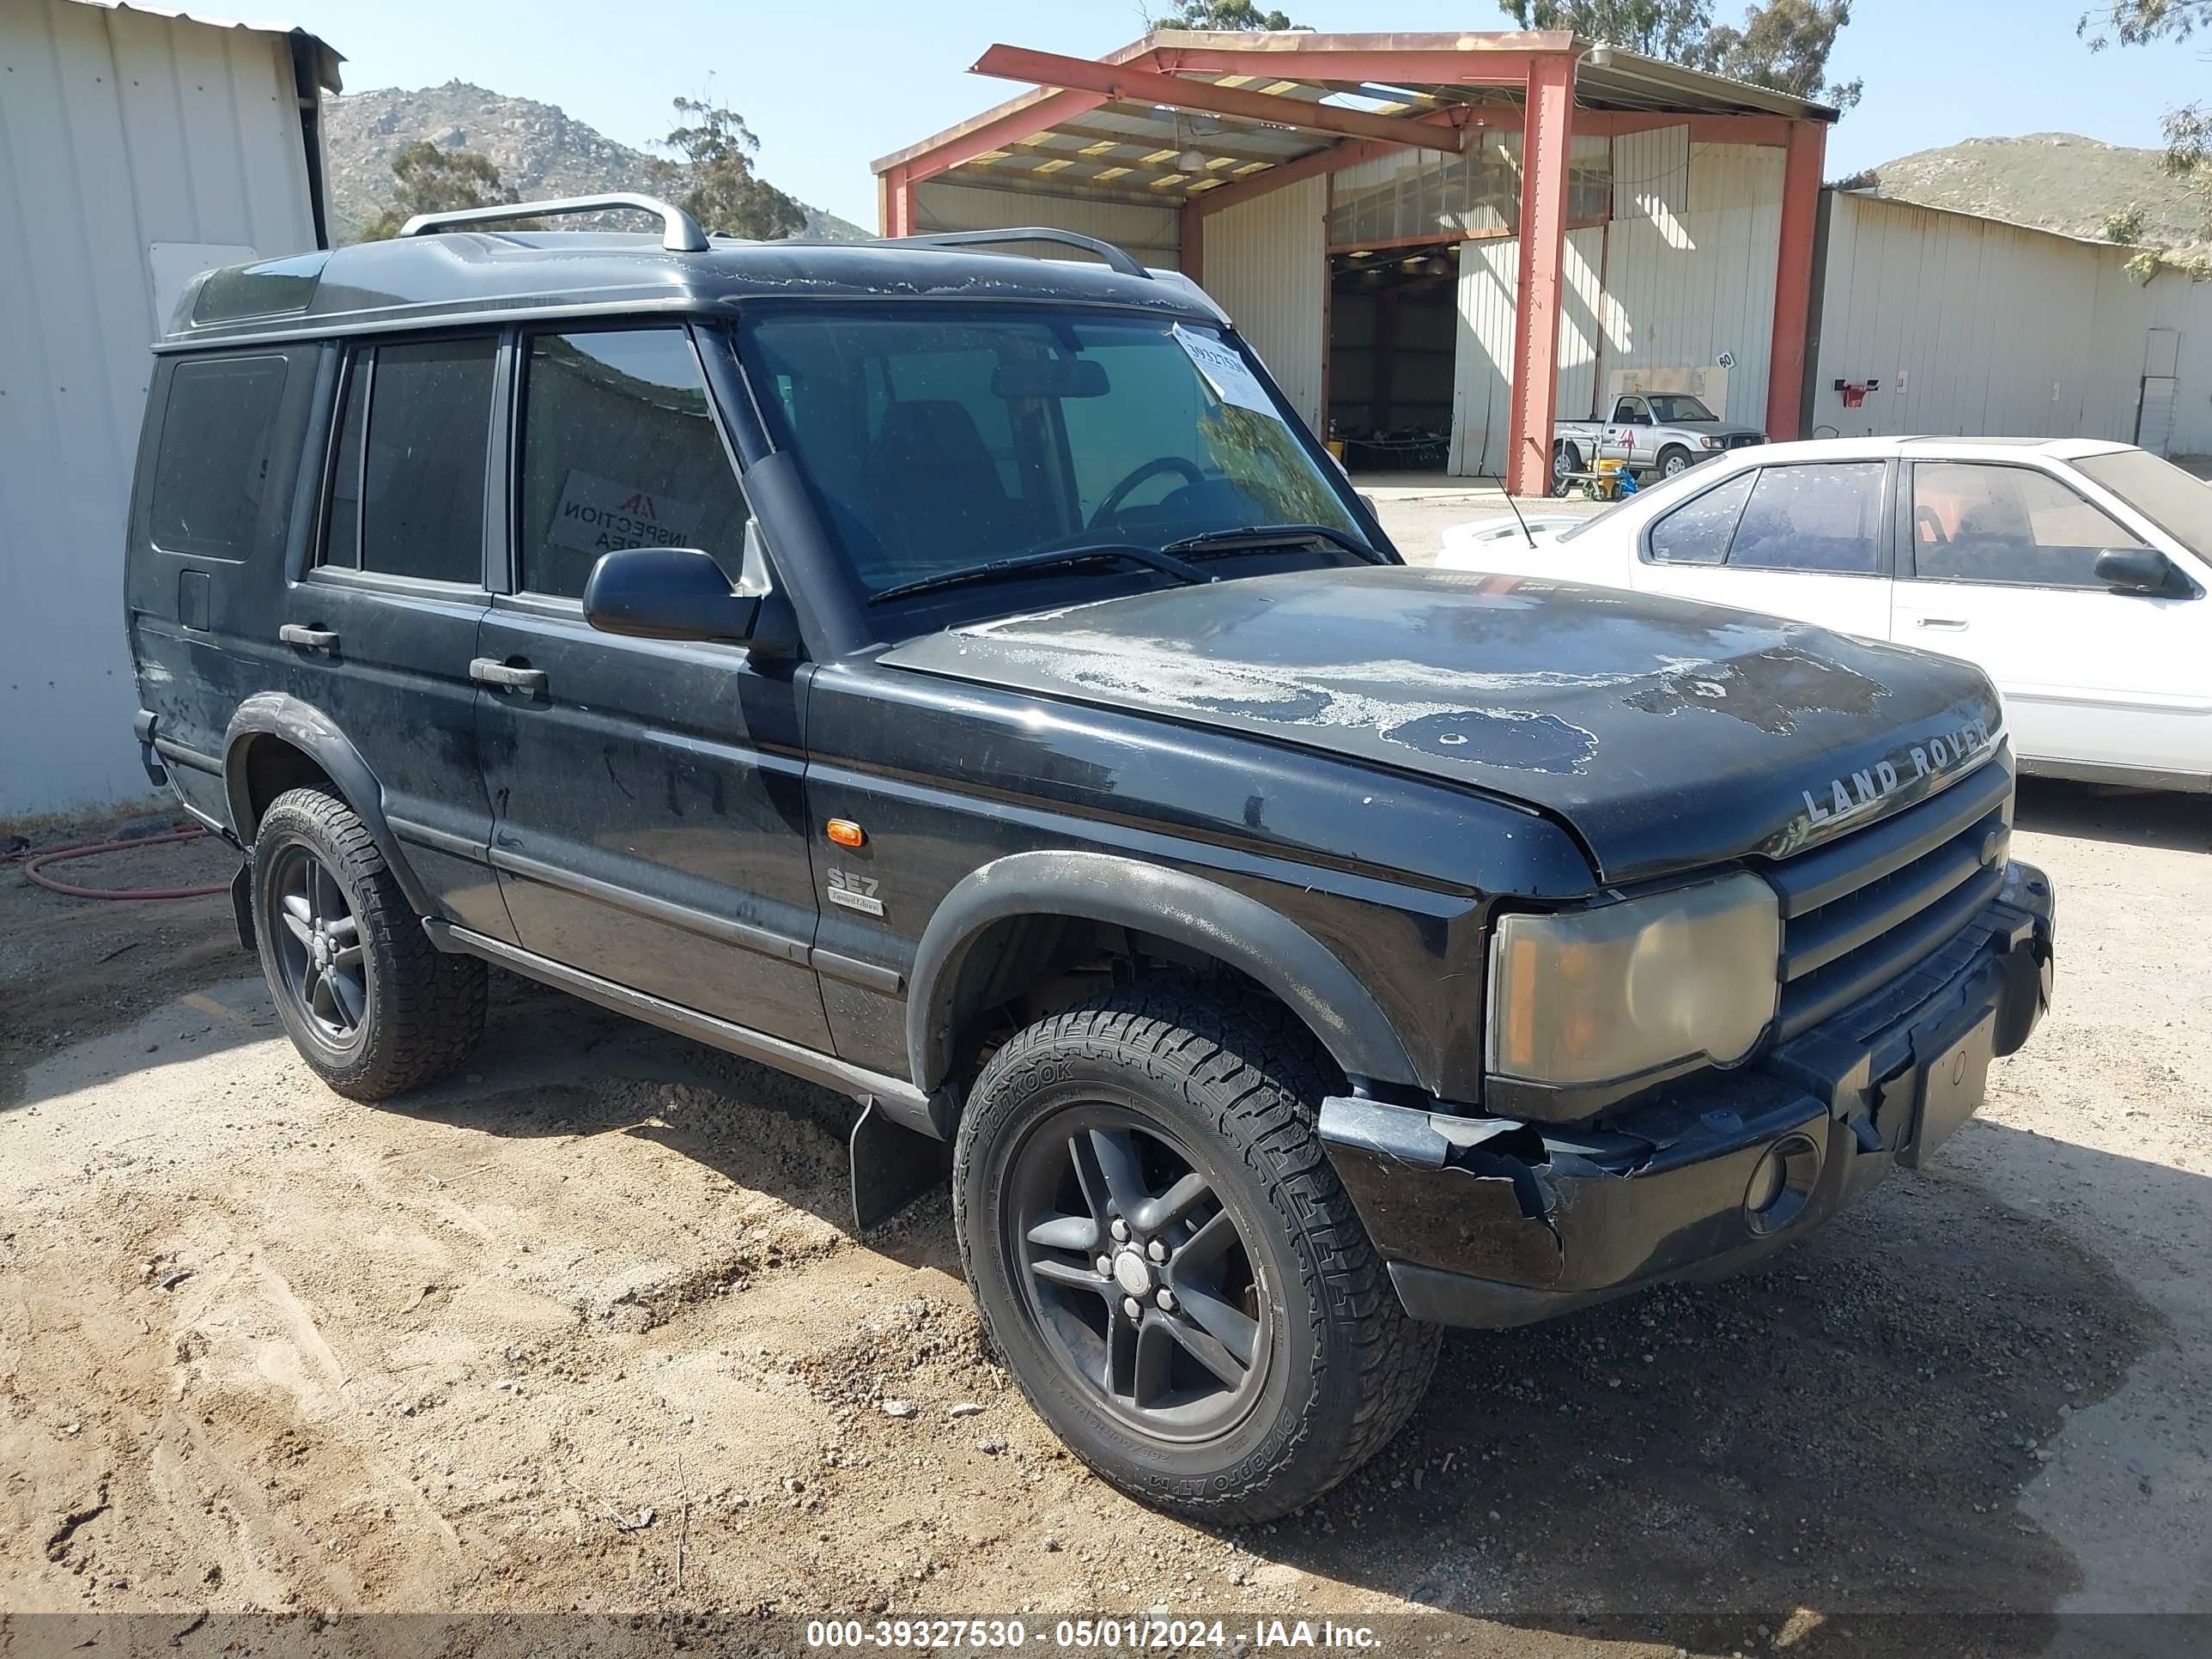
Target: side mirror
1374,507
2137,570
667,594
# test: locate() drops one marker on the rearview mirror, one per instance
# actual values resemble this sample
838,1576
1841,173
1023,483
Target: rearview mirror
1054,377
667,594
2137,570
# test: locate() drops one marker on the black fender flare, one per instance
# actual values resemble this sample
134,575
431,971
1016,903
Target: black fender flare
1203,915
307,729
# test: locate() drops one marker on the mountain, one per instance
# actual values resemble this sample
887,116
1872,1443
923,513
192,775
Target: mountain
2052,181
540,150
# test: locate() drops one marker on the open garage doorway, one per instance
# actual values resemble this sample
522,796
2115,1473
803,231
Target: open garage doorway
1392,329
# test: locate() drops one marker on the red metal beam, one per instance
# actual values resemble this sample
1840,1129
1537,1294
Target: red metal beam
1414,69
1544,149
1345,153
1793,279
1116,81
894,203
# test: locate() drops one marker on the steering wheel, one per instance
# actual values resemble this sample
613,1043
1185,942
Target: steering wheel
1151,469
1924,518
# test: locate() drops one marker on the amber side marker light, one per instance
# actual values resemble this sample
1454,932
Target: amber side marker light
845,832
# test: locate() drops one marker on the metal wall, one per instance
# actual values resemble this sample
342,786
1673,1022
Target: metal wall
1681,277
1266,261
134,150
1152,234
1968,326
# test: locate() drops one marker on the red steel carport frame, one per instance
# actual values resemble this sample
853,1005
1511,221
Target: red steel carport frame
1540,66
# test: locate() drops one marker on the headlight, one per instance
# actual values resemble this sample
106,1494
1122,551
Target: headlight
1592,996
1708,443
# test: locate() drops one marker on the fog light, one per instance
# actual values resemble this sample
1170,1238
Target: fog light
1781,1184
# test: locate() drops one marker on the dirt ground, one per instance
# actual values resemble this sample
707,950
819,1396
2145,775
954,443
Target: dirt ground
589,1330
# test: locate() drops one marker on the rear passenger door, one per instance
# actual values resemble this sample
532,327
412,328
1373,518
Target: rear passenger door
1808,540
379,630
651,816
2002,572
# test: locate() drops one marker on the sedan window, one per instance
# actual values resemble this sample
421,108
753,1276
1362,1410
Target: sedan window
1697,532
1822,518
2012,525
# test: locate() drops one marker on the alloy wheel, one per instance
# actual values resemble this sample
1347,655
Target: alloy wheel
1137,1273
318,950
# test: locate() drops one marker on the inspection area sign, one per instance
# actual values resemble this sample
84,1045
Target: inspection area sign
598,515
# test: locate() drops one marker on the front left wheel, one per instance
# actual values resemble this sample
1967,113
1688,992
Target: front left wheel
369,1002
1164,1256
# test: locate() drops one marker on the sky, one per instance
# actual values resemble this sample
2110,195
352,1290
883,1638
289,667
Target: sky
828,89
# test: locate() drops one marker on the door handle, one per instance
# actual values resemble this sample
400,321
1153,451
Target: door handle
491,670
1950,624
311,638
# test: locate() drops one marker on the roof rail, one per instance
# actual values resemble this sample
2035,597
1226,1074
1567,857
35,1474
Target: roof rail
679,234
1114,257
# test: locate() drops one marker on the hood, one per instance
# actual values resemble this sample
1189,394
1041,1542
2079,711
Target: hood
1668,734
1717,428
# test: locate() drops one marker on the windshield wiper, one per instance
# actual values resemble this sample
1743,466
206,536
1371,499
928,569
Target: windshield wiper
1271,535
1028,563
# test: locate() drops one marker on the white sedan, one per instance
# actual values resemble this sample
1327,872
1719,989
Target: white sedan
2075,572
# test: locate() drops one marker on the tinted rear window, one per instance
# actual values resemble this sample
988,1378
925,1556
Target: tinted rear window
213,471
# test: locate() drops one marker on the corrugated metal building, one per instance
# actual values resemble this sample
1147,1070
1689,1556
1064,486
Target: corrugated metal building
137,146
1934,321
1357,202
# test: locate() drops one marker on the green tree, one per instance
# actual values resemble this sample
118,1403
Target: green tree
1226,15
1673,29
2126,226
2188,128
428,180
1784,44
716,173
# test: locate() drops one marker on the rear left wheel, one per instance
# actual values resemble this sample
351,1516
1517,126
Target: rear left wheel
1161,1252
368,1001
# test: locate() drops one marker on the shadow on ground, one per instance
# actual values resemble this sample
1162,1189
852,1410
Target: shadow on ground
2133,817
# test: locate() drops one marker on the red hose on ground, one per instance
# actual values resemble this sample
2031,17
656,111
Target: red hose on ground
35,869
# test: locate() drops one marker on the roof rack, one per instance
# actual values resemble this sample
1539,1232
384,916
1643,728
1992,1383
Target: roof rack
1114,257
679,232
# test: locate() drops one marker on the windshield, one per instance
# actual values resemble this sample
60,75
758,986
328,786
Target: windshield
939,439
2174,501
1668,407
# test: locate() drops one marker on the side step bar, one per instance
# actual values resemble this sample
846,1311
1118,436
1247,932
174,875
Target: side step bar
898,1099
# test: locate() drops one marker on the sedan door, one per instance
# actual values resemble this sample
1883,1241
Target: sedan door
2001,571
1808,540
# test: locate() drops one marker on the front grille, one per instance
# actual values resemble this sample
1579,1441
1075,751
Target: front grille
1862,911
1745,440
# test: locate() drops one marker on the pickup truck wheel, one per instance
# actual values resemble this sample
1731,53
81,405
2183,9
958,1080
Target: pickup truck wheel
369,1002
1674,461
1566,458
1161,1251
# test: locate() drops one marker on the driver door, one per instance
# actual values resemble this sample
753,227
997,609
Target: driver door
2001,571
1621,438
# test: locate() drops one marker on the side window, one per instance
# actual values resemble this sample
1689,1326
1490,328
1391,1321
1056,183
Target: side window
218,433
1629,411
1824,519
1697,532
1985,523
407,485
619,450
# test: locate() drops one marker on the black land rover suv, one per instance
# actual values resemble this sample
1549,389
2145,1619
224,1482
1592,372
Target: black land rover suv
957,677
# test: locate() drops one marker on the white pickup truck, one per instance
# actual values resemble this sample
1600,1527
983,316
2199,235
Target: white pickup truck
1660,432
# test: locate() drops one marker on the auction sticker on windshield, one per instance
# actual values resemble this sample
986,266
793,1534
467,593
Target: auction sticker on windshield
1232,381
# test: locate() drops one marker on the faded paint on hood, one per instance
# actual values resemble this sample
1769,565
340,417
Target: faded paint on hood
1668,734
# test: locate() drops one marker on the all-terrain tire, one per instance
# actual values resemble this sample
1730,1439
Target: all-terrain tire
1239,1079
425,1007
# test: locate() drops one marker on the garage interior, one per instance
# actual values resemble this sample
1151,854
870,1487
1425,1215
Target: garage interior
1393,323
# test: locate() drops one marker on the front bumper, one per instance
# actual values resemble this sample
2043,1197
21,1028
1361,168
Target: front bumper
1493,1222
